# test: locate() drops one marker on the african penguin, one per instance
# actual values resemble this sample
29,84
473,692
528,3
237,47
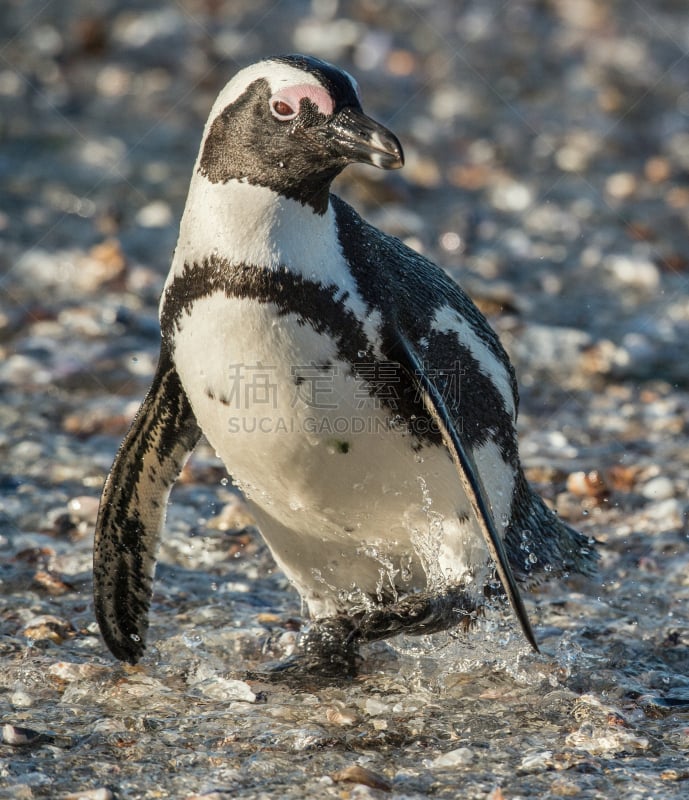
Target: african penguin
354,392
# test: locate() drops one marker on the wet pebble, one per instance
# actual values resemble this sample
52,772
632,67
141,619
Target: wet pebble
375,708
48,628
20,698
155,215
621,185
51,583
659,488
656,706
536,762
668,513
73,671
225,690
340,716
599,741
307,738
635,273
459,757
84,508
588,484
561,787
234,516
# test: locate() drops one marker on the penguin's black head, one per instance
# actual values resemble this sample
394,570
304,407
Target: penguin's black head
291,124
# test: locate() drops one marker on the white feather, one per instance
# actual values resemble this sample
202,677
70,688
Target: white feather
277,73
336,522
245,224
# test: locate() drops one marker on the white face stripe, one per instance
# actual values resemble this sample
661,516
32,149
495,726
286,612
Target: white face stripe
278,74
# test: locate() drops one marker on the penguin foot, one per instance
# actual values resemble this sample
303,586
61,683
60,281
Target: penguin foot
329,650
326,652
417,615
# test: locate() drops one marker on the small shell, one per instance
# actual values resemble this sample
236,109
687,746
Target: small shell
340,716
47,627
91,794
50,583
366,777
17,736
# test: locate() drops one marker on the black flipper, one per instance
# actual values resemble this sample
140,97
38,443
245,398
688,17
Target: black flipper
470,479
132,510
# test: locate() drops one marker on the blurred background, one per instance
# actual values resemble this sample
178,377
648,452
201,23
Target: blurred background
547,150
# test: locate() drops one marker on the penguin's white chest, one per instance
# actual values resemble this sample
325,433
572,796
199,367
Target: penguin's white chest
295,424
274,398
342,496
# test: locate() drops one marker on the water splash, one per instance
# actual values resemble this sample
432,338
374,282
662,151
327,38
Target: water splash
427,543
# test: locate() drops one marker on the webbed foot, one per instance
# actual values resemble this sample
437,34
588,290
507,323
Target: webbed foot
418,615
326,652
329,649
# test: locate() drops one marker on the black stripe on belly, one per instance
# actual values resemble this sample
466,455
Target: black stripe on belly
320,306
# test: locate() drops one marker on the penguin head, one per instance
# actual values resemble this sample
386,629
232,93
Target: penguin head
292,123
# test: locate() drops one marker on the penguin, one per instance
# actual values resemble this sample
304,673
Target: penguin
355,393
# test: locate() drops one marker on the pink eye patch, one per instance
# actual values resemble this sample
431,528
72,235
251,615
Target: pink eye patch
293,95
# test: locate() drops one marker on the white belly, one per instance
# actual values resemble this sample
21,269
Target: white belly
349,510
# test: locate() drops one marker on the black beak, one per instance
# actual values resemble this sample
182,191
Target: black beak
357,137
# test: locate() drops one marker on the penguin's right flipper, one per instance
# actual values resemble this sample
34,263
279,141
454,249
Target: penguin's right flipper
132,510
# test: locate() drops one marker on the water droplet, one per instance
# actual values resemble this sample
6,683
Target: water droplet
406,570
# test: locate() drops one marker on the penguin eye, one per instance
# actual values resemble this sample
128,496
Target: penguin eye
282,110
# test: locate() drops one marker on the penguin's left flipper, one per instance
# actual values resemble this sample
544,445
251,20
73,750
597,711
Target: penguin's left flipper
132,510
434,399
